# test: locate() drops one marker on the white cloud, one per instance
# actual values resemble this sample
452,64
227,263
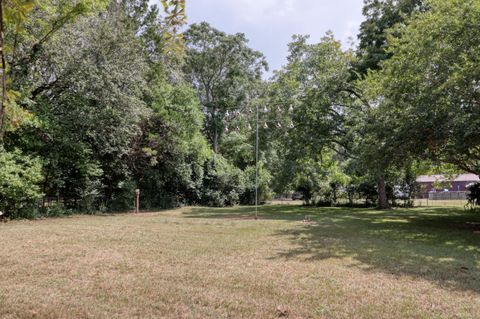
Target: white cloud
269,24
254,11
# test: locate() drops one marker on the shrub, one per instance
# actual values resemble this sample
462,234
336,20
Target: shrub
58,210
20,176
223,183
264,191
28,212
473,194
124,197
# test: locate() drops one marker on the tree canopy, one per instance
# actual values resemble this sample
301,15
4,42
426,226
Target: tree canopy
100,98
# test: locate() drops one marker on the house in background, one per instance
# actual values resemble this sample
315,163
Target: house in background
456,183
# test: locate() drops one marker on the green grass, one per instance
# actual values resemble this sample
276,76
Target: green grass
220,263
440,203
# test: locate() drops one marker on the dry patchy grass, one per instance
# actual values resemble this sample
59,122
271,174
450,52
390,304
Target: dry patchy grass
219,263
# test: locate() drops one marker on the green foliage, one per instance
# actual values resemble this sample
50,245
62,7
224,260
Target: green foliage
239,148
109,106
28,26
316,83
264,182
337,180
223,184
57,210
320,182
20,177
380,17
224,71
375,155
99,82
322,94
473,194
430,85
170,157
176,18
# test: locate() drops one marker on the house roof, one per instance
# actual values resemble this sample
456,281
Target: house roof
441,178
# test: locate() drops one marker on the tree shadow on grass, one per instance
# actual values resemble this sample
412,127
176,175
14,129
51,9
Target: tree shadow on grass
269,212
441,245
437,244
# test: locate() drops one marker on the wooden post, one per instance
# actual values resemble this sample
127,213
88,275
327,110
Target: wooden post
137,201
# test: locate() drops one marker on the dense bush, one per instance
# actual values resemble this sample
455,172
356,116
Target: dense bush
57,210
20,176
223,183
473,194
264,180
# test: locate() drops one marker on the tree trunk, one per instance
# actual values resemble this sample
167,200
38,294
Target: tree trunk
382,193
4,70
215,130
350,194
215,140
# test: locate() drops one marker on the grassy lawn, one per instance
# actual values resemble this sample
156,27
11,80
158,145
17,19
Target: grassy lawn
219,263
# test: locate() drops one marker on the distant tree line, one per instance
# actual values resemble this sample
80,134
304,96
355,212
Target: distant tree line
100,98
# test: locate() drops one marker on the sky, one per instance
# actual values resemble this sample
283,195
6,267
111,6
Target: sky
270,24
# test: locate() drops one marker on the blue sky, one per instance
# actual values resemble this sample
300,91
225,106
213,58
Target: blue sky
269,24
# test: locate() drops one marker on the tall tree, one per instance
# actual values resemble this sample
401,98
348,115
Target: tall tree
430,86
316,86
87,102
381,16
11,13
25,27
224,71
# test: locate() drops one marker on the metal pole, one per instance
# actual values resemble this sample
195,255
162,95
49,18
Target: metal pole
256,168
